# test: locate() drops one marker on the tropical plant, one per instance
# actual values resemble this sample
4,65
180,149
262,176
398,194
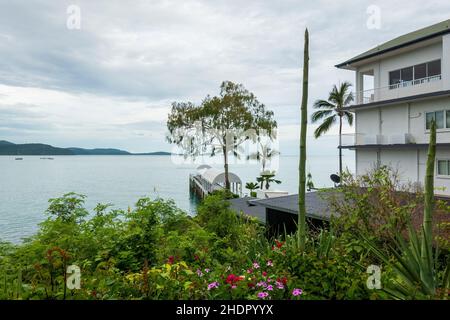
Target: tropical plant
264,154
252,186
330,110
302,160
266,178
220,123
416,262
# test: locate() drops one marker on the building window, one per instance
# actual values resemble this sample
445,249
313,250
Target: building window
417,74
443,167
434,68
394,78
442,119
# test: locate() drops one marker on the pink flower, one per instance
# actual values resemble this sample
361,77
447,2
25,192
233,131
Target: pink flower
263,295
261,284
269,287
255,265
213,285
207,270
233,287
199,273
250,271
270,263
296,292
279,285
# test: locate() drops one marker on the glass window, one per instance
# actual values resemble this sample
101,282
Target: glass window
420,71
439,115
394,77
443,167
430,117
407,74
434,68
448,119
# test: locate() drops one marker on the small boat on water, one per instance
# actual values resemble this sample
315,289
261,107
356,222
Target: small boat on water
18,159
47,158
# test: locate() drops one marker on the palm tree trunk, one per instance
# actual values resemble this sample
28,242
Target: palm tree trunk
225,166
302,162
340,146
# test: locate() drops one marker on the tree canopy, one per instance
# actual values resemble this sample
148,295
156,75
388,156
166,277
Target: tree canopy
220,124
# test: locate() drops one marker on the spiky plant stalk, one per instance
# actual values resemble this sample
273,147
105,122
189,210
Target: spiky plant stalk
429,200
302,161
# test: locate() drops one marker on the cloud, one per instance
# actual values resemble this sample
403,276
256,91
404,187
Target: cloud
113,80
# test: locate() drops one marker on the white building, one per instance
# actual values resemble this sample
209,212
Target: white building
401,86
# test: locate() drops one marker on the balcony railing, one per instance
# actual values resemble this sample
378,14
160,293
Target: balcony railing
399,90
362,139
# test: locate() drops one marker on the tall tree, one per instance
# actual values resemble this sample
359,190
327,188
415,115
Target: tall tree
220,124
302,161
331,110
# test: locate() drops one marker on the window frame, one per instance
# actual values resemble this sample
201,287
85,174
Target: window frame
445,176
413,81
446,114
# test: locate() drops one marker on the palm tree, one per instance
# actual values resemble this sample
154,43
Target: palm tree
252,186
266,178
264,154
332,109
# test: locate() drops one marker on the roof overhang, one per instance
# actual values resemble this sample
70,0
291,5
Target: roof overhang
409,41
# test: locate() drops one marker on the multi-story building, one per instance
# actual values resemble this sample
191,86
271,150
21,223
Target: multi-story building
401,86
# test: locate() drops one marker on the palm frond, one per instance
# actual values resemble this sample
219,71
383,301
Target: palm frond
320,114
349,117
324,104
325,126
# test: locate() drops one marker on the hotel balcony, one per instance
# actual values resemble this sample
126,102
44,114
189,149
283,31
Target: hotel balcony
355,140
401,89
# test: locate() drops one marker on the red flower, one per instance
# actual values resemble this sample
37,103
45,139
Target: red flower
233,279
282,280
250,285
171,260
264,273
279,244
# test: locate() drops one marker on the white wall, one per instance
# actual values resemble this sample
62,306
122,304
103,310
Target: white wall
396,120
409,163
417,119
446,61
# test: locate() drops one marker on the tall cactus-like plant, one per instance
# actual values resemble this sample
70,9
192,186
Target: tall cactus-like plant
427,225
302,161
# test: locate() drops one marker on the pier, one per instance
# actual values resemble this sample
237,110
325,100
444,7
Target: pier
208,180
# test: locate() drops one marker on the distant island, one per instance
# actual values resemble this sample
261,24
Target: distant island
39,149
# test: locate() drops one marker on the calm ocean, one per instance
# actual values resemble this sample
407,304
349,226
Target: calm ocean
26,185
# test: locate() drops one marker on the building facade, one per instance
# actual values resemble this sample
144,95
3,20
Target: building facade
401,86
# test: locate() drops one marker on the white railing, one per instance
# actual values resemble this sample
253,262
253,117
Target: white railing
399,90
361,139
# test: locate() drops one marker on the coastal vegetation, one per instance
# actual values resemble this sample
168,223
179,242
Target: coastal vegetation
157,251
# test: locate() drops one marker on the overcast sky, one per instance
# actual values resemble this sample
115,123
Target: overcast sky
110,83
